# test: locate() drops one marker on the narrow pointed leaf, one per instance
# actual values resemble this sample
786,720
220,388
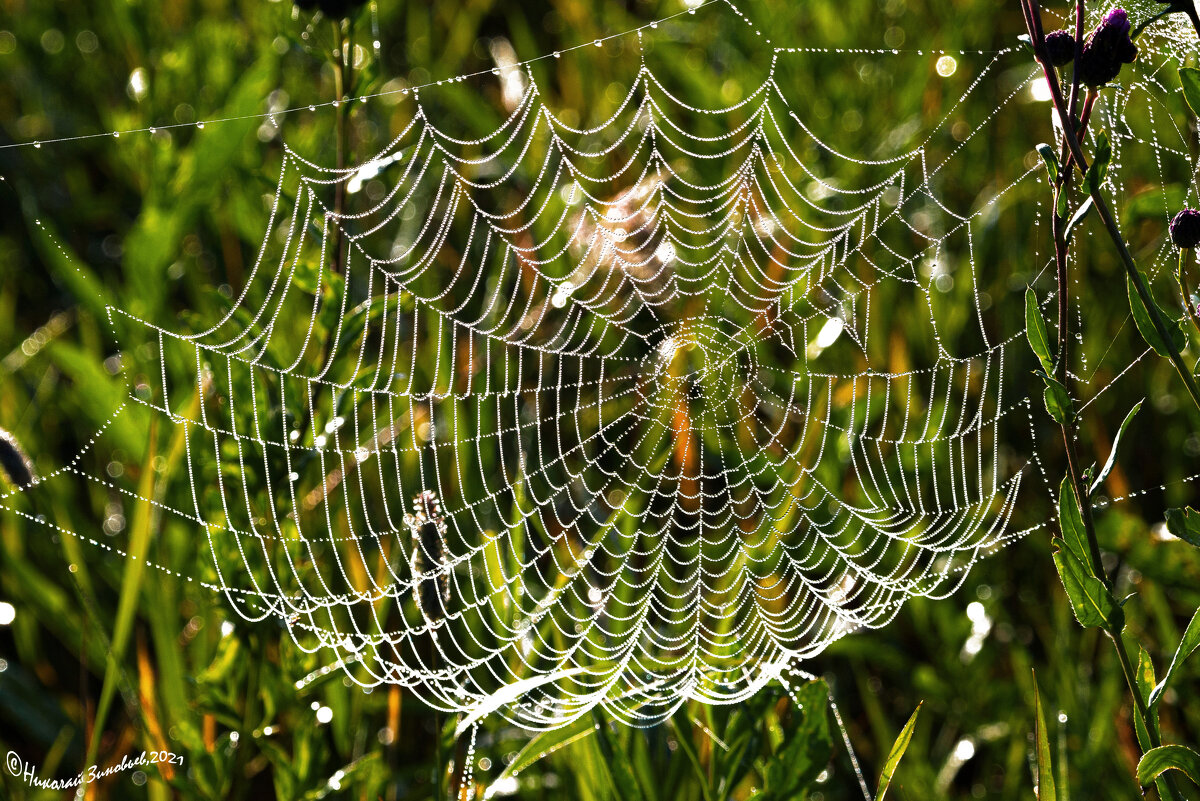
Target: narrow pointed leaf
898,749
618,764
1145,324
546,743
1046,790
1187,646
1070,520
1077,217
1035,332
1112,454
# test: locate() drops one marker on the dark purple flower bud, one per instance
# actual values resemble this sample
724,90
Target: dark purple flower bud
1185,229
1060,45
1106,49
331,8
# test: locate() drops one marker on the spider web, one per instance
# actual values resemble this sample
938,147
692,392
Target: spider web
609,414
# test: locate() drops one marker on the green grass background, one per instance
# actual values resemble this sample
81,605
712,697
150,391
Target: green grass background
153,225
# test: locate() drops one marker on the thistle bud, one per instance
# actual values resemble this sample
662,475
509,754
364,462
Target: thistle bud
1185,229
1106,49
1060,46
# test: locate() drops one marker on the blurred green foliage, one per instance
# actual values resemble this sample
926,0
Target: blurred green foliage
158,223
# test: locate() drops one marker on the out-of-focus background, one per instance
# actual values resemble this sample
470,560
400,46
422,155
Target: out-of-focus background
156,224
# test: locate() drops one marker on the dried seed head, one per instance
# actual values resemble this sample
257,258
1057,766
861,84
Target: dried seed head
427,525
14,462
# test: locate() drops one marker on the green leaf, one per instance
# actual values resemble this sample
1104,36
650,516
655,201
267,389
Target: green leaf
1060,204
228,653
1185,524
1077,217
618,764
1091,601
1035,332
1158,761
683,737
1050,159
142,530
1145,324
1099,169
1187,646
1045,769
1112,453
744,733
1144,675
808,748
546,743
1058,402
1189,77
898,749
1070,521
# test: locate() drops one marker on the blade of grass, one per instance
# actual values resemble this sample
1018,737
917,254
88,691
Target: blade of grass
1046,790
131,584
898,749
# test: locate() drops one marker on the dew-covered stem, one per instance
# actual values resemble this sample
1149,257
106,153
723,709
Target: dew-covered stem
1072,132
1070,136
1189,305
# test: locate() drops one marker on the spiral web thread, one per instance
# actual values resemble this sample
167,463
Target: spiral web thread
627,440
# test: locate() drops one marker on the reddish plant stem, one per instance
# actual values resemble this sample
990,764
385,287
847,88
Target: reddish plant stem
1188,304
1071,136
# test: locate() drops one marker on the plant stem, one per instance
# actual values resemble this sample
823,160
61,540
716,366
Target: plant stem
342,77
1089,102
1069,433
343,88
1063,184
1033,19
1188,305
458,791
